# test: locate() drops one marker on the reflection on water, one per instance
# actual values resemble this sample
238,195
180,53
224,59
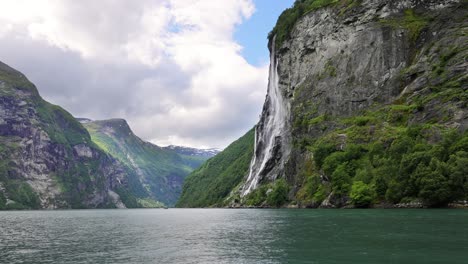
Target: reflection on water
234,236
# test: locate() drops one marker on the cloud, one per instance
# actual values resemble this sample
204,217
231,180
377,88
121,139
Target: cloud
170,67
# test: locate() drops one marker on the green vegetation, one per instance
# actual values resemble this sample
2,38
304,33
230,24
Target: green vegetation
3,201
274,194
7,147
22,195
411,22
61,126
81,180
131,199
440,64
212,183
385,159
362,194
150,203
290,16
15,80
328,71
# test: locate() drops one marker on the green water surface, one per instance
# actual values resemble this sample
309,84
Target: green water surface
234,236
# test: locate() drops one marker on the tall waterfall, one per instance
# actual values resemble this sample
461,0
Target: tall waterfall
270,147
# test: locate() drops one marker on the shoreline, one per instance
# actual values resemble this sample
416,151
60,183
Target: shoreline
412,205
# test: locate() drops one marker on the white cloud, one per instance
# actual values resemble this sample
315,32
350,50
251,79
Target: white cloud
170,67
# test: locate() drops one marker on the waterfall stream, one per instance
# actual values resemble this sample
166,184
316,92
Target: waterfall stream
269,133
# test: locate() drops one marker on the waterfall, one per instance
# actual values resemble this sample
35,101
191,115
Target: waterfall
269,133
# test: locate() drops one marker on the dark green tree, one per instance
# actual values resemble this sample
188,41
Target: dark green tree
341,180
434,188
278,194
458,174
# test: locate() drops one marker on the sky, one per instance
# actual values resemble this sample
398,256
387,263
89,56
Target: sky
183,72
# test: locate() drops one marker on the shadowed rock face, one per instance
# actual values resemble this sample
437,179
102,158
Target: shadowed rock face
339,61
50,155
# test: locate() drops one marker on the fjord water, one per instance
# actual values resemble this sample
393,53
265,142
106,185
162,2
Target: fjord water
234,236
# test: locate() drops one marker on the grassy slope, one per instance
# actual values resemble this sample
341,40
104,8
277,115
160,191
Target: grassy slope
214,180
156,168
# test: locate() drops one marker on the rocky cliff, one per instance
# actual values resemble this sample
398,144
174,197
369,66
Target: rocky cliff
47,158
366,106
357,74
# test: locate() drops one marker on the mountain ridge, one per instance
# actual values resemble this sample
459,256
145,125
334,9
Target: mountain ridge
183,150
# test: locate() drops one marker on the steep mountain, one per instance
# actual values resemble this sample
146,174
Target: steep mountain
366,106
160,170
212,183
47,158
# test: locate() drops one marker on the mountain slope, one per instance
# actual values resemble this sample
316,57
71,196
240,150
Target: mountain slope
160,170
212,183
47,158
366,106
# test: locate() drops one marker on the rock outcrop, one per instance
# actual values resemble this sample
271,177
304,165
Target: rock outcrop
47,158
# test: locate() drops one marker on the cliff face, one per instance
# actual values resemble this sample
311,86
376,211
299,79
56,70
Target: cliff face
357,73
161,171
47,159
346,59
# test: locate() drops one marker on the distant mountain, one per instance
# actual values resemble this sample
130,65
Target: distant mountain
206,153
160,170
213,182
47,158
83,120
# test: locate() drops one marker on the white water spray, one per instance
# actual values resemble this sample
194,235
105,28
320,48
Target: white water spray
269,133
